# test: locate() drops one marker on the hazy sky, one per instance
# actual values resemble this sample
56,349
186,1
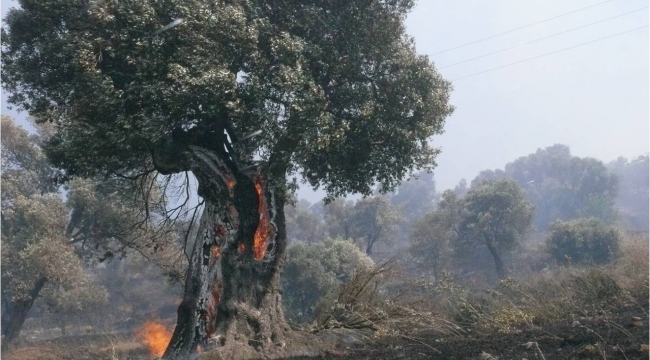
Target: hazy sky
593,98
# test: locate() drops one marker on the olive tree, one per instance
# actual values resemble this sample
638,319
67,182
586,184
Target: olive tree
47,242
375,220
243,94
560,185
437,233
36,254
497,215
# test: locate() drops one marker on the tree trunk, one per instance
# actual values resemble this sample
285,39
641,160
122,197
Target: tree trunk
369,245
501,269
232,296
437,270
13,320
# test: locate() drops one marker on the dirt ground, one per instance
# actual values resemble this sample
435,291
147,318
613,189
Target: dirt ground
622,336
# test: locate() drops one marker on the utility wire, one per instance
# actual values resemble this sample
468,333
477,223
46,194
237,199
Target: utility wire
542,38
547,54
521,27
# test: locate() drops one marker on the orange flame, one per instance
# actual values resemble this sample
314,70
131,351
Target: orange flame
262,232
230,183
155,335
216,251
240,248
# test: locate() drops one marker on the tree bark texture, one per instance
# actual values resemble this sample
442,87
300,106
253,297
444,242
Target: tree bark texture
232,292
500,267
15,313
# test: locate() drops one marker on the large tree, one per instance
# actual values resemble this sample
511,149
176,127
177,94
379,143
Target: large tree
497,215
241,94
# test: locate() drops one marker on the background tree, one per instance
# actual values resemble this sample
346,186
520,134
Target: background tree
333,91
315,271
302,223
497,215
436,234
36,253
415,197
374,221
46,242
338,218
461,189
560,185
632,199
583,241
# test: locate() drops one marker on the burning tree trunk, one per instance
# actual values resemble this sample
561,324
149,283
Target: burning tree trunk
232,291
15,313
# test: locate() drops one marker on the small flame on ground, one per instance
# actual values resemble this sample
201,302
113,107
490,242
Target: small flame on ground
240,248
216,251
155,335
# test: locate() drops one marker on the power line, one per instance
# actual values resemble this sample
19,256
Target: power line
542,38
521,27
547,54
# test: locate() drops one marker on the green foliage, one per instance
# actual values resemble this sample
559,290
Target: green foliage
415,197
561,186
374,221
632,198
583,241
434,234
51,242
497,214
338,218
302,223
369,221
507,319
314,272
336,87
34,219
596,287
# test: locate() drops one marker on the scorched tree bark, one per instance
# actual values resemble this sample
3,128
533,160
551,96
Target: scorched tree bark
232,290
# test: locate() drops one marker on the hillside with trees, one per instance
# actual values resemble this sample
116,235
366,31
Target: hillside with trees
150,205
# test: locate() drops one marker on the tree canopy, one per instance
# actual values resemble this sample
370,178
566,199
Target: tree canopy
561,186
336,88
632,199
435,234
497,215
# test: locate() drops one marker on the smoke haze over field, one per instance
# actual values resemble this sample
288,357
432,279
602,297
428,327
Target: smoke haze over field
593,98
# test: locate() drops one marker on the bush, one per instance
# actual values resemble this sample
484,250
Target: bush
596,287
583,241
314,272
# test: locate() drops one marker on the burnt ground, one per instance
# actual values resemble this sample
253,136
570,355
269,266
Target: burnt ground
620,336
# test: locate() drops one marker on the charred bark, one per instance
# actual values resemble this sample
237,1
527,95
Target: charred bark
16,313
232,292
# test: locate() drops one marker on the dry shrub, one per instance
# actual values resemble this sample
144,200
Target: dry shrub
383,301
631,270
